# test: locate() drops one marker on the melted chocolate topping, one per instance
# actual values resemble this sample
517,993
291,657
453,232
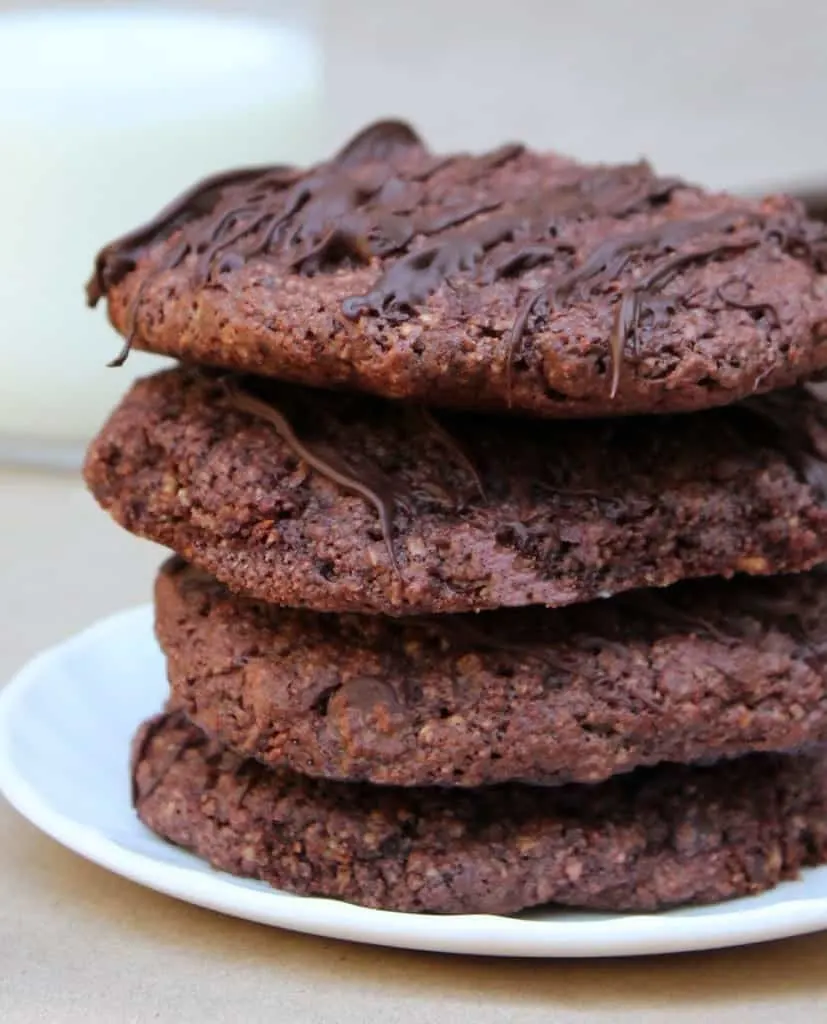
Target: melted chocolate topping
378,141
376,199
758,309
453,447
118,258
609,259
614,192
265,410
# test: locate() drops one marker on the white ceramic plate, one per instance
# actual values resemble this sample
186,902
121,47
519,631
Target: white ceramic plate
66,722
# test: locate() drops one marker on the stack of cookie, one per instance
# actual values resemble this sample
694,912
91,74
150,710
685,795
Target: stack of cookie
496,499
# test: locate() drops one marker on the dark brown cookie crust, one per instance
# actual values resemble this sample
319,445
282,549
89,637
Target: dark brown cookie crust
702,670
481,282
648,840
572,511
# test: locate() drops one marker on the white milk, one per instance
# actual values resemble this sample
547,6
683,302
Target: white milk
104,116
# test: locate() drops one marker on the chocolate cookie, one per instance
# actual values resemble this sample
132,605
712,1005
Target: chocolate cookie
344,503
508,280
701,670
651,839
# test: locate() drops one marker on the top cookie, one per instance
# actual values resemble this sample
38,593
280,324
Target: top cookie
508,280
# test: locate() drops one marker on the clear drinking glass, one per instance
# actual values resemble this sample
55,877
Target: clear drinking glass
106,111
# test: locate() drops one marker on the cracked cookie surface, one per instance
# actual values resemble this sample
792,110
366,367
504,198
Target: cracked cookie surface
701,670
483,511
510,279
648,840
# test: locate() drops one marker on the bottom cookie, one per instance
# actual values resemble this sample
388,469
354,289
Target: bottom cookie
652,839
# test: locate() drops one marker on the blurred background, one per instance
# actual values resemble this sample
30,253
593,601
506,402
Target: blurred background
108,109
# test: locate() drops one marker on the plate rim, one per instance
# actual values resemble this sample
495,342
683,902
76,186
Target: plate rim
476,934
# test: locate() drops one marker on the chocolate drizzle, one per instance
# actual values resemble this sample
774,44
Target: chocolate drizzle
757,309
380,141
453,447
424,221
614,192
265,410
118,258
371,201
609,259
170,261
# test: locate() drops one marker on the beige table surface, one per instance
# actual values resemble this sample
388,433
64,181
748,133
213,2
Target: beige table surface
79,944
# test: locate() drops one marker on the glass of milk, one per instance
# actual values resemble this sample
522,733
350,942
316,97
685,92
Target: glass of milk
105,115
